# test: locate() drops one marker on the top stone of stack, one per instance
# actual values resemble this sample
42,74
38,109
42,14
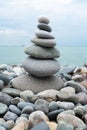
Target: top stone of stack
43,19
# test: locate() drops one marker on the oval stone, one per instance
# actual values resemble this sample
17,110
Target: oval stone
41,52
41,68
44,27
44,42
3,108
44,34
43,19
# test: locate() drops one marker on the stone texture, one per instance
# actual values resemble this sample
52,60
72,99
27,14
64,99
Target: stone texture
45,27
44,42
71,119
14,109
37,117
42,105
28,82
3,108
41,68
52,125
5,98
21,126
27,110
64,126
42,52
44,34
10,116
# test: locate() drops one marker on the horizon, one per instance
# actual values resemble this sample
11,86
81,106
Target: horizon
68,21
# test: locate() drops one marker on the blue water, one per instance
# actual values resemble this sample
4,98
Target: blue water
70,55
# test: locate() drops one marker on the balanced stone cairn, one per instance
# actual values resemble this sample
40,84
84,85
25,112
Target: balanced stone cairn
41,64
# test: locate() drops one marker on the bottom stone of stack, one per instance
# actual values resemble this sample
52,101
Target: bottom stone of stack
29,82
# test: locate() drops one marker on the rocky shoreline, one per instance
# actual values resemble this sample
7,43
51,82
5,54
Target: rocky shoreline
54,109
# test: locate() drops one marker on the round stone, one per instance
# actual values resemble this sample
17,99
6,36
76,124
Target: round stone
21,105
3,108
44,34
29,82
42,105
42,52
44,42
43,19
41,68
44,27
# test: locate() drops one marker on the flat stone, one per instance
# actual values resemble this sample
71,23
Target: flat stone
71,119
37,117
10,116
44,42
67,69
3,108
44,34
44,27
43,19
5,98
42,52
41,68
11,91
28,82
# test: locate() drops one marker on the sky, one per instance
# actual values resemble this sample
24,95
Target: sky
19,19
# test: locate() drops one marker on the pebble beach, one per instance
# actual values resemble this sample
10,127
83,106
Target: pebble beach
40,93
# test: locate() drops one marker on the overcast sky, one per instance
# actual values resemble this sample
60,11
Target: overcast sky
18,20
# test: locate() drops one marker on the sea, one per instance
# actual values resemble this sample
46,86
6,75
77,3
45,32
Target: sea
70,55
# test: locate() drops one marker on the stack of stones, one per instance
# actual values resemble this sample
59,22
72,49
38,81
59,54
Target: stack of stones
41,64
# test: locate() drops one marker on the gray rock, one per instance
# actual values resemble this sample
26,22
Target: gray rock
42,105
26,95
5,98
41,68
8,125
44,42
53,114
10,116
15,109
1,84
37,117
41,126
49,95
27,110
11,91
67,69
19,119
21,105
45,27
65,105
64,126
53,106
78,87
3,108
42,52
43,19
82,98
44,34
71,119
77,78
16,100
28,82
2,128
